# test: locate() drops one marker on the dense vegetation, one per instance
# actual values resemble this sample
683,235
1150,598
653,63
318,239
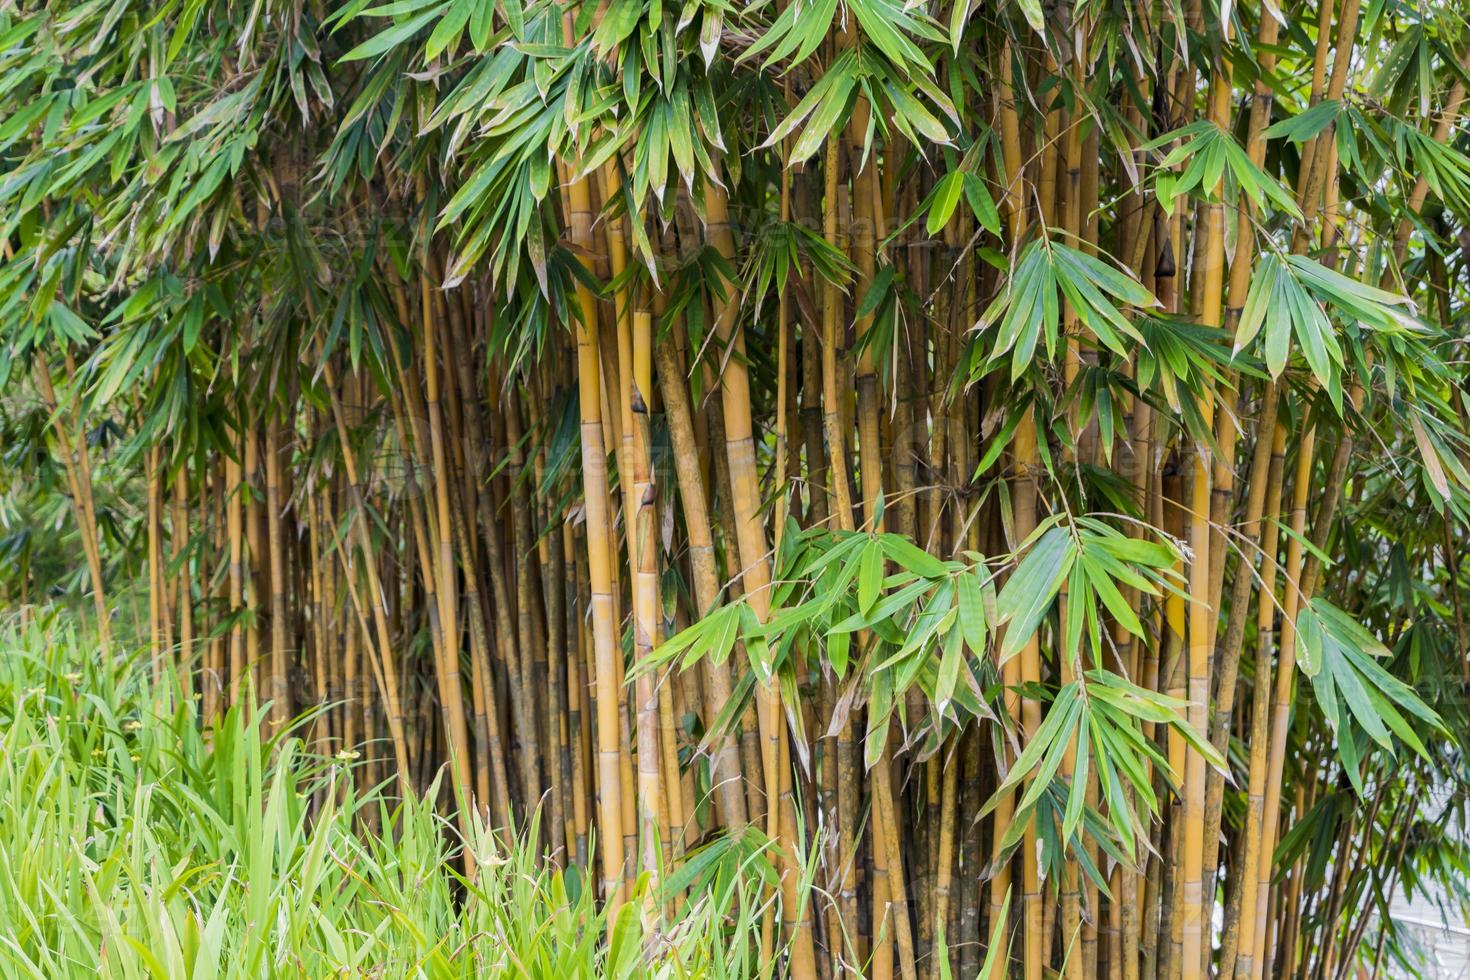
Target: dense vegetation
1003,466
136,843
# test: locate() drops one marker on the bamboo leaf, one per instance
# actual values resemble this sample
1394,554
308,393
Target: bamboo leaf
946,196
392,37
870,576
1028,594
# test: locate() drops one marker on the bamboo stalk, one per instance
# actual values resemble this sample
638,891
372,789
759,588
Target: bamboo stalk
381,652
79,489
448,670
1202,618
654,832
280,690
599,551
1285,675
725,771
755,573
156,613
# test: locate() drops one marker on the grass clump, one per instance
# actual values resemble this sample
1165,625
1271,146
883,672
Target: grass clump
134,844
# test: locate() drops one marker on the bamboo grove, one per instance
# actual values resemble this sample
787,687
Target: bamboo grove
997,469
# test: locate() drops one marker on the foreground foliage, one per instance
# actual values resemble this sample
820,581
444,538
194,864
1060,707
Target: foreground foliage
134,844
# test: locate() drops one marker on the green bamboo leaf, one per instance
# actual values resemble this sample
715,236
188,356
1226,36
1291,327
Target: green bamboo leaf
952,658
1031,10
1059,717
1305,125
870,576
982,204
911,557
1028,594
971,605
946,196
393,36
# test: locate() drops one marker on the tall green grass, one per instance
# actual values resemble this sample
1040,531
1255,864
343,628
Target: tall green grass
132,844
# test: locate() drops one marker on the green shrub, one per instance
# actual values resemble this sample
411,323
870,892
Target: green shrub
135,844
